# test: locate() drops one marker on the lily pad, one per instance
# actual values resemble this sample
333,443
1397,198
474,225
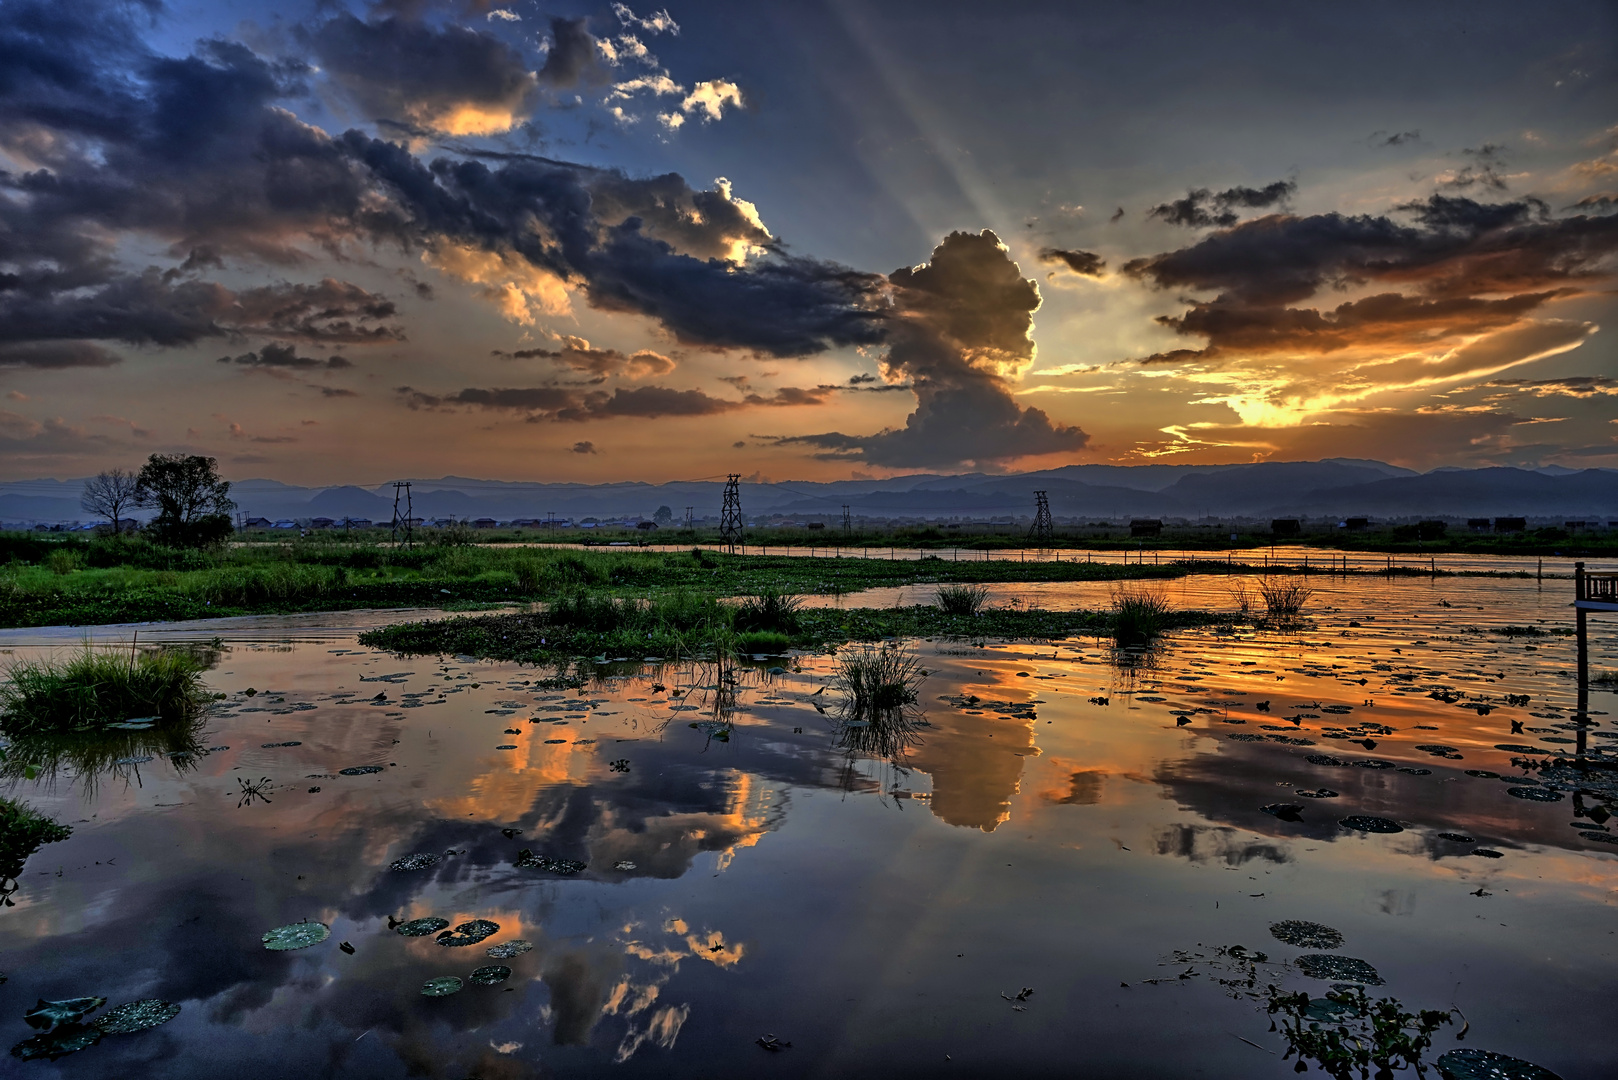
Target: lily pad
1326,759
1374,763
1339,968
48,1014
431,924
443,986
1472,1064
490,975
297,936
420,861
1435,748
1328,1011
1488,853
507,949
1600,837
67,1039
361,770
1517,748
1483,774
1535,794
1316,793
1306,935
527,860
469,933
1456,838
1286,811
1368,823
1415,772
133,1016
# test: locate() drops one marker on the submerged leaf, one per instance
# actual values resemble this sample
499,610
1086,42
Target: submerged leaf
297,936
48,1014
67,1039
1472,1064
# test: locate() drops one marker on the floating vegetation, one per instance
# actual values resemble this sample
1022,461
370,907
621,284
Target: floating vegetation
1327,760
1518,748
1284,599
361,770
420,861
50,1014
422,927
1306,935
1339,968
1349,1037
67,1039
1285,811
96,687
624,864
507,949
1469,1064
527,860
1456,838
443,986
1535,794
1316,793
296,936
1370,824
489,975
1488,853
469,933
133,1016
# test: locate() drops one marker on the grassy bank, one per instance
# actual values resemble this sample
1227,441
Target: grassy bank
660,630
106,581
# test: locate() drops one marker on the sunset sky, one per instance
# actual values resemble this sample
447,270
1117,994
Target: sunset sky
334,242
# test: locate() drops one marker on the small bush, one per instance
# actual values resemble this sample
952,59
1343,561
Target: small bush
767,642
65,561
1284,599
1139,615
97,687
962,599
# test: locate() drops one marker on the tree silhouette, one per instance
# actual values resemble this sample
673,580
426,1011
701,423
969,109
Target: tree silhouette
110,494
193,503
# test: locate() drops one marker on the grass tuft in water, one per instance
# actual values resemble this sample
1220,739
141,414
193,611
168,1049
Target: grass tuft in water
771,611
1284,599
1139,615
878,679
95,687
962,599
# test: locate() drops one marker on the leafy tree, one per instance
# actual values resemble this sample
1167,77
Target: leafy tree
663,516
110,494
193,504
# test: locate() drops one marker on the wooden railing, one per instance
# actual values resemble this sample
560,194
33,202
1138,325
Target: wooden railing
1595,586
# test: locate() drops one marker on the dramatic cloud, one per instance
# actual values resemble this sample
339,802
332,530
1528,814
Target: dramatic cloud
1201,208
1085,263
447,79
561,403
578,355
1574,386
56,354
1482,171
285,356
573,57
960,330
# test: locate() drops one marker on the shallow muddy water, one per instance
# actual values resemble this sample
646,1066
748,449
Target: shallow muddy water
1061,823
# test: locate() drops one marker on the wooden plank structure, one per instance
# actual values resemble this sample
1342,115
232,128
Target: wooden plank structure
1591,592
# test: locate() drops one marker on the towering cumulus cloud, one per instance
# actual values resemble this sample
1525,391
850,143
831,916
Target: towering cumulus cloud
959,329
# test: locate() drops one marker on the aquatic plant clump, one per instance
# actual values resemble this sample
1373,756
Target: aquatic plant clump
962,599
877,679
1284,600
1139,615
1306,935
96,688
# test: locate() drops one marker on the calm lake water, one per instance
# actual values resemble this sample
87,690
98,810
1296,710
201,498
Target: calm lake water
1061,822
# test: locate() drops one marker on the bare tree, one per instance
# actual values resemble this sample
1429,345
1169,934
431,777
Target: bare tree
111,493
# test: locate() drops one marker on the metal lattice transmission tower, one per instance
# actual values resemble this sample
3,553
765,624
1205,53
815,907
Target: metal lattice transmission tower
1042,534
848,524
403,487
730,516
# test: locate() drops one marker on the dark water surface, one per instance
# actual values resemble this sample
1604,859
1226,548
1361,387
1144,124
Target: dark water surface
881,917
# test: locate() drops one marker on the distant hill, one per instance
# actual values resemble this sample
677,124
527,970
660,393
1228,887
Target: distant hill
1337,487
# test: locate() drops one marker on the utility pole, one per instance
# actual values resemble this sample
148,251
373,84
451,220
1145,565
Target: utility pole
550,521
689,520
848,527
1042,533
730,516
402,487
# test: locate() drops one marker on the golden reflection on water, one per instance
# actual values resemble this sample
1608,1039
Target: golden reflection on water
1060,819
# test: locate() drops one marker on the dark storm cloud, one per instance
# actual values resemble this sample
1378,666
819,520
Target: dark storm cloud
1456,248
560,403
1483,171
1086,263
443,78
197,153
285,356
573,57
1202,208
961,323
578,355
56,354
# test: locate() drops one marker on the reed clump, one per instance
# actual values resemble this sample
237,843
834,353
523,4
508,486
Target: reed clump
1284,599
95,687
876,680
771,611
1139,616
962,599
